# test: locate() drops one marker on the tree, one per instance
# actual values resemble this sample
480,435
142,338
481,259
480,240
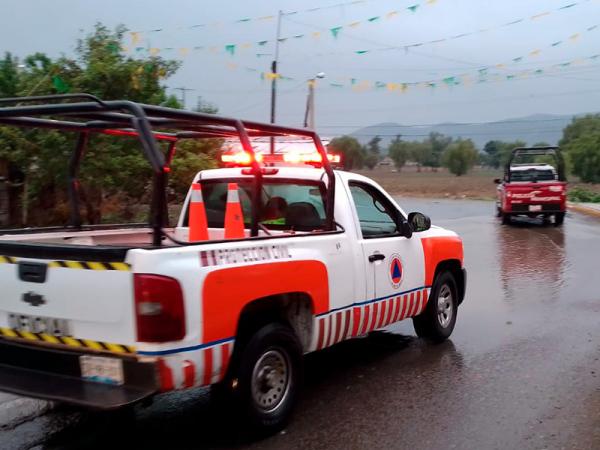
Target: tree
580,126
420,152
373,146
399,151
372,152
113,168
460,157
584,154
437,143
353,154
492,150
581,143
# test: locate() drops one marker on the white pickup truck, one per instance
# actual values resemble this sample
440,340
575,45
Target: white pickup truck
108,316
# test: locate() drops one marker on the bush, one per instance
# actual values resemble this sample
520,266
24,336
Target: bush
579,194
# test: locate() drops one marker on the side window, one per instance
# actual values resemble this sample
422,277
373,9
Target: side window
374,212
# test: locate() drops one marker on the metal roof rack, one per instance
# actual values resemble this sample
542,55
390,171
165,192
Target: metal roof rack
85,114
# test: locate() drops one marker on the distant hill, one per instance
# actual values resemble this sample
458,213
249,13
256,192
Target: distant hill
531,129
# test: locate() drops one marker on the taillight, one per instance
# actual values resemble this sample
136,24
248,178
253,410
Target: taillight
158,308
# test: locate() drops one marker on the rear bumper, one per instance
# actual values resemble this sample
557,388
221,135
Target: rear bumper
546,208
51,374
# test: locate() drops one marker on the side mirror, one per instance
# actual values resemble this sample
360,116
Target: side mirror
419,222
497,180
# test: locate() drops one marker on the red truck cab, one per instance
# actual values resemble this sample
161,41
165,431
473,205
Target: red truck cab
533,188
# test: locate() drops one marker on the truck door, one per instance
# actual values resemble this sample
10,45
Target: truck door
395,271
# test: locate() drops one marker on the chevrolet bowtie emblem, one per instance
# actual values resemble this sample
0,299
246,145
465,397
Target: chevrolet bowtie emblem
34,299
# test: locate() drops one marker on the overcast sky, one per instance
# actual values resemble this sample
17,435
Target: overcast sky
233,83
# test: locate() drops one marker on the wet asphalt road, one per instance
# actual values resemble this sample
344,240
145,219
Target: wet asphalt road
521,371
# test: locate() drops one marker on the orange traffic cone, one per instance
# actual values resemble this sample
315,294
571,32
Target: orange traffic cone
197,223
234,218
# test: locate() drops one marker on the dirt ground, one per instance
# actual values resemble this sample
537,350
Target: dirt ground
477,184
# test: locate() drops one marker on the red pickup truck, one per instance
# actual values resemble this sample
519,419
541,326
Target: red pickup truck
531,186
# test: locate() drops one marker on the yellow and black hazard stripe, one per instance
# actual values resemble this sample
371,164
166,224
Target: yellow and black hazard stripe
85,265
7,260
68,341
90,265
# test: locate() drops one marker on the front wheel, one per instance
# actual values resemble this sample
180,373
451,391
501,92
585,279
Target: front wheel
438,320
268,378
505,219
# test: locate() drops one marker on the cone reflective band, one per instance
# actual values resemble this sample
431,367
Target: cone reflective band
234,218
198,228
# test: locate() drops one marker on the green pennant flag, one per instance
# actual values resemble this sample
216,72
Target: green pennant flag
336,85
568,6
593,27
510,77
199,47
539,71
567,64
298,36
352,81
139,49
60,85
373,19
230,48
380,84
361,52
450,81
594,56
262,42
557,43
247,19
483,71
519,59
413,8
431,85
282,40
335,31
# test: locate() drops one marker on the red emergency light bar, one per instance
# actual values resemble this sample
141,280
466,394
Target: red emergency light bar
242,158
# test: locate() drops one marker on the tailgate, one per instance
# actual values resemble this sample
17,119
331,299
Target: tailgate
68,303
537,192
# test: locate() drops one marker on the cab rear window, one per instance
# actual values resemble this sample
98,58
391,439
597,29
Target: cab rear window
532,175
285,205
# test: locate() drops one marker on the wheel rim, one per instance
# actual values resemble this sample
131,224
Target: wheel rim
271,380
445,306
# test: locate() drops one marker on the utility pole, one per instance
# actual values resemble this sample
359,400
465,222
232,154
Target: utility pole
183,91
274,75
309,113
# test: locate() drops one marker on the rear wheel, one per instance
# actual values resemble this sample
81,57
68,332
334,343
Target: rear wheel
266,381
559,218
438,320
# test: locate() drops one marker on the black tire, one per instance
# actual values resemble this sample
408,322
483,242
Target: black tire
559,218
498,211
434,323
505,219
267,379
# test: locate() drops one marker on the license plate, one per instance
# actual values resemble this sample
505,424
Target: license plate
36,324
535,208
101,369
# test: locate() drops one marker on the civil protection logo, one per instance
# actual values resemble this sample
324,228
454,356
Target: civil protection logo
395,270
